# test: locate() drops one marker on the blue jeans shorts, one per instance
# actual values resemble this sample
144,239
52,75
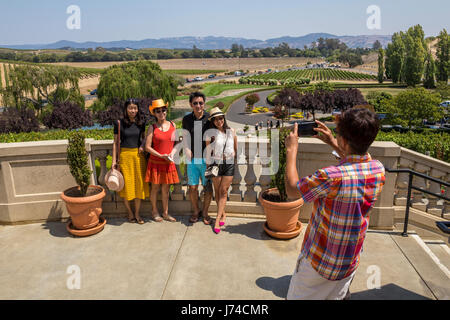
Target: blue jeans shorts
196,171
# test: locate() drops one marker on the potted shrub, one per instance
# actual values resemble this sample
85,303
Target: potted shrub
83,202
281,213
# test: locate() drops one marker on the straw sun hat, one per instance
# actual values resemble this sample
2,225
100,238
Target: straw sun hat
114,180
215,112
159,103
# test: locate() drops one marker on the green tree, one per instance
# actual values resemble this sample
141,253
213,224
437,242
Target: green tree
443,56
414,60
379,100
415,54
412,106
30,85
428,82
377,45
443,89
141,79
380,65
394,58
196,52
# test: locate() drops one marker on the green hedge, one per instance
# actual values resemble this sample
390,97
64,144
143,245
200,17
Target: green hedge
437,144
97,134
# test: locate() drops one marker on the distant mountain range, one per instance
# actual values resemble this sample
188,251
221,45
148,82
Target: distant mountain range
212,43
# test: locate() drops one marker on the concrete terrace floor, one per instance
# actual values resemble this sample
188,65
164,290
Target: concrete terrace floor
188,261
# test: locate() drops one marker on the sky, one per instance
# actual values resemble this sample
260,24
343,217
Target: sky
45,21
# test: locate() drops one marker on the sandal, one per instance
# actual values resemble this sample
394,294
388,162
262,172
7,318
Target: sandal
131,220
194,217
207,220
157,218
139,220
169,218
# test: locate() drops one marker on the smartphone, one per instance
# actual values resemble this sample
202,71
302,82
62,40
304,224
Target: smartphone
306,128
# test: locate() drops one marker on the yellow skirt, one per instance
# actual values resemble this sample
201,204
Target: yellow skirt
133,167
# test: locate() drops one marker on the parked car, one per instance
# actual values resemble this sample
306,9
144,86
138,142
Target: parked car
211,76
198,79
188,80
238,73
445,104
93,92
336,112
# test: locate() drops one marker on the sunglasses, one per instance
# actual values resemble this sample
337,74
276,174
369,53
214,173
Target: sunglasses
218,118
160,110
132,100
198,103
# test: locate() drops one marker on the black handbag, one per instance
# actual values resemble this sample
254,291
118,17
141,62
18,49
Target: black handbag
212,170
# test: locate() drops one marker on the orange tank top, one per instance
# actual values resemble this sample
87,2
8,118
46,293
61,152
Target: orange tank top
162,141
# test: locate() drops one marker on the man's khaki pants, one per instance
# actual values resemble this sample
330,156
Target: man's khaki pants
307,284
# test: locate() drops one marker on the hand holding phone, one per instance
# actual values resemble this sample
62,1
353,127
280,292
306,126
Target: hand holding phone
306,128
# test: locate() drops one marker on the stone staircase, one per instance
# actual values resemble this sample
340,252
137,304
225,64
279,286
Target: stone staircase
431,260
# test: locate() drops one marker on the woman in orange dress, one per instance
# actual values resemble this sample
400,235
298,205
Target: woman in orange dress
161,170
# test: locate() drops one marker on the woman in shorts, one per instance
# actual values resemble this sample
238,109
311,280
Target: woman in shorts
221,142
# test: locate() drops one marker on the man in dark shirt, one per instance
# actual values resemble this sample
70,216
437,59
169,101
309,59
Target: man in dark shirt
195,124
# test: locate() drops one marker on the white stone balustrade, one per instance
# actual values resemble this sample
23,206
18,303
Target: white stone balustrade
431,167
33,174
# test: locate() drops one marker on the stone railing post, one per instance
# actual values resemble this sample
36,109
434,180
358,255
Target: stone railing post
265,177
235,192
433,207
178,193
402,182
417,201
382,214
250,177
446,213
100,150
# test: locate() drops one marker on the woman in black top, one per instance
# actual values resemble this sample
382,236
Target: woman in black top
132,160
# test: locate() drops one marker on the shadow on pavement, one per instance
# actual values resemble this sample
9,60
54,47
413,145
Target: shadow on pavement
57,229
279,286
252,230
387,292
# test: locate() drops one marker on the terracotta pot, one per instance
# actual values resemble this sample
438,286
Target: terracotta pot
84,211
282,217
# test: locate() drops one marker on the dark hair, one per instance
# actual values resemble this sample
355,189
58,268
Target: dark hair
211,124
359,127
196,94
139,118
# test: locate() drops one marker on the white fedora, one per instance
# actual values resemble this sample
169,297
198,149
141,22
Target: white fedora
114,180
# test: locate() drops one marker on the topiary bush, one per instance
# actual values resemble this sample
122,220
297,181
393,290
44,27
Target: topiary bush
278,179
77,159
251,99
67,116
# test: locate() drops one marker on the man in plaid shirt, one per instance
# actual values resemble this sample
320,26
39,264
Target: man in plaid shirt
343,196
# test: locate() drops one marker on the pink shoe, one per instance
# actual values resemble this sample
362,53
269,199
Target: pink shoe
216,230
221,223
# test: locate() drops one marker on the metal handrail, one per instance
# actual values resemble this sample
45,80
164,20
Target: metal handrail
413,173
